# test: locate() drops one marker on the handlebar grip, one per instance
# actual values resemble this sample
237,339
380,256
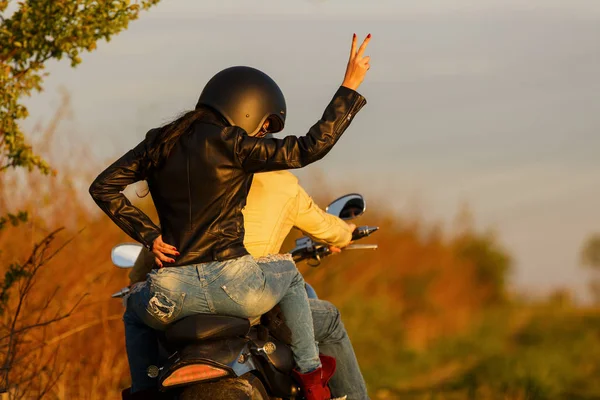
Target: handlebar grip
363,231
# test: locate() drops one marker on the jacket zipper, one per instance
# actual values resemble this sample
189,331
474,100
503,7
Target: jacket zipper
348,117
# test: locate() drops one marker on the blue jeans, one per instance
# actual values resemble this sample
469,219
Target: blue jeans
242,287
333,340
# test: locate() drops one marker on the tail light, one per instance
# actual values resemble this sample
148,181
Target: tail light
193,373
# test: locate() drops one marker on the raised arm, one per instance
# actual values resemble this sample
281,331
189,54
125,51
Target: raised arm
259,154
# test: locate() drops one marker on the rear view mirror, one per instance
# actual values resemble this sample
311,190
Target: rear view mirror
124,255
348,206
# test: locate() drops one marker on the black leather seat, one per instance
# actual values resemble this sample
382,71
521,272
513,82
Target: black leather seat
204,327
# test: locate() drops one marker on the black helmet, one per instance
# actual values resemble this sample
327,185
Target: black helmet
246,97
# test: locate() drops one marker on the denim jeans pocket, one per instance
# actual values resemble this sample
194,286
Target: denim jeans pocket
247,286
165,305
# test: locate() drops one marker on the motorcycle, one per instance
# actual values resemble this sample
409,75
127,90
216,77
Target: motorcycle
220,357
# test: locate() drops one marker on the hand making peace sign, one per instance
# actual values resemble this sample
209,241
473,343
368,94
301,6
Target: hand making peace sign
358,65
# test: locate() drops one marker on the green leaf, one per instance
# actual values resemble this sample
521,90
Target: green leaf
34,35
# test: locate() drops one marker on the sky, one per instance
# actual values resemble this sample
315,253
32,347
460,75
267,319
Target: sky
493,103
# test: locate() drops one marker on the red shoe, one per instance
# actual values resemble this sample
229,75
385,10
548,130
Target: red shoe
314,384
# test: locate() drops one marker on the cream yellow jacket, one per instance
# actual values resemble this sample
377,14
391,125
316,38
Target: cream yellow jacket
276,203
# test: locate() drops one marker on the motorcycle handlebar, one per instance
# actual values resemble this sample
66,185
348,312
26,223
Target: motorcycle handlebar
316,251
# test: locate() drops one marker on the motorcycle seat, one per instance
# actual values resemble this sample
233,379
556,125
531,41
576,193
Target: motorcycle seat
206,327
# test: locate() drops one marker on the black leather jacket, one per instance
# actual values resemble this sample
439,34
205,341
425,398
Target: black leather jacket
201,189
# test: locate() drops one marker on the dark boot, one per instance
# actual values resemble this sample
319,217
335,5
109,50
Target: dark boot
314,384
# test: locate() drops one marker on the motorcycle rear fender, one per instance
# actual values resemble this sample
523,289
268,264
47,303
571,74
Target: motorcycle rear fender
222,353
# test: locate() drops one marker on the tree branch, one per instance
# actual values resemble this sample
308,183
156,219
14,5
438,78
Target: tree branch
38,258
45,323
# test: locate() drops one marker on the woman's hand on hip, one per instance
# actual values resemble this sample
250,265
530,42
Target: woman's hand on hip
160,249
358,64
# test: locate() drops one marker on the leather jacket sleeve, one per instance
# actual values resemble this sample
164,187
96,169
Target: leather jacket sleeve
262,154
106,190
318,225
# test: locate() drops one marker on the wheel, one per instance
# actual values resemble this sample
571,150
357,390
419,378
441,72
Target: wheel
258,390
246,387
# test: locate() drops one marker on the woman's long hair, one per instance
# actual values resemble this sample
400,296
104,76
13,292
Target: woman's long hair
168,135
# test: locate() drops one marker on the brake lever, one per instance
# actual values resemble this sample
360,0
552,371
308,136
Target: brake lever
355,246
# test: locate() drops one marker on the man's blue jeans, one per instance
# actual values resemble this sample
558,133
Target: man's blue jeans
142,346
333,340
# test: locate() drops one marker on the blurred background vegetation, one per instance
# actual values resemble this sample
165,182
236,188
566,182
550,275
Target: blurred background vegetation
431,313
